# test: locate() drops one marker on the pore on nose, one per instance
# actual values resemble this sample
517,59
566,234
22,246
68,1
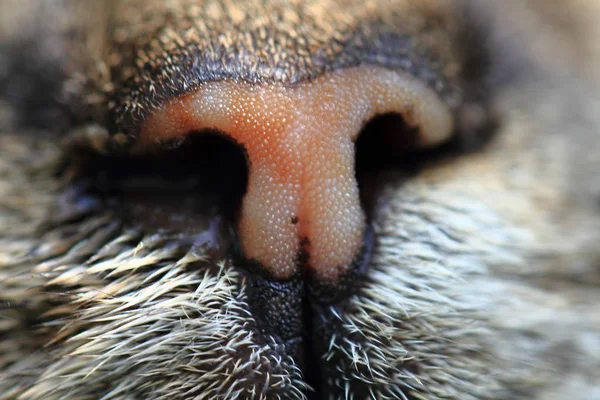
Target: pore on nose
301,207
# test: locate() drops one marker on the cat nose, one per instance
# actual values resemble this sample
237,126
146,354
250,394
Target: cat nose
302,207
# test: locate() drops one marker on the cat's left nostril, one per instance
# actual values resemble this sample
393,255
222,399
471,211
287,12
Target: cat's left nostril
302,205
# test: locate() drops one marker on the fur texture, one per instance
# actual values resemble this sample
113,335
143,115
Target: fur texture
484,281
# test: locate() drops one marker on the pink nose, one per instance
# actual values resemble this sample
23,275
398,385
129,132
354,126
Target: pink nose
302,200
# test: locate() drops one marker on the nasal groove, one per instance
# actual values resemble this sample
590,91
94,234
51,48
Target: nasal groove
300,144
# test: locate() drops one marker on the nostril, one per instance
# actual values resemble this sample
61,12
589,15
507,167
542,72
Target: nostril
186,186
216,162
385,142
301,208
385,135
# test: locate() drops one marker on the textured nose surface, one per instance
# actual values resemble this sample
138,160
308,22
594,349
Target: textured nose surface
302,200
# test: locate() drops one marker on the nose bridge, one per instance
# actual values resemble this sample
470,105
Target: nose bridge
331,221
302,199
269,224
302,206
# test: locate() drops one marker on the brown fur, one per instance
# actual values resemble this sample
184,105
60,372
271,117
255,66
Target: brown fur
484,283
